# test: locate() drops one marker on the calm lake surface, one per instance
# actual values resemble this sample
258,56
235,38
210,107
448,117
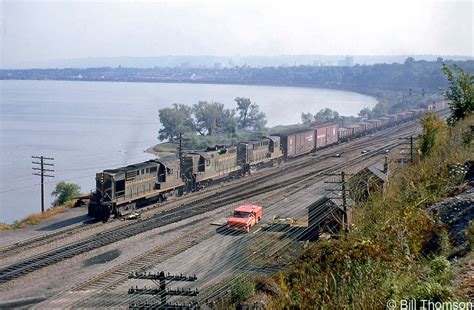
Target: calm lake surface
91,126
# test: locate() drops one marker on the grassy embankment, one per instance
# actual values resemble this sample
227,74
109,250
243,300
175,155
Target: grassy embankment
36,218
395,249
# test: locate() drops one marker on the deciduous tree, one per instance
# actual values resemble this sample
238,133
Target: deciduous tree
326,115
460,93
64,192
176,120
213,118
249,115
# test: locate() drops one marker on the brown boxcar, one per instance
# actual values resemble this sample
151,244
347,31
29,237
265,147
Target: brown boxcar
325,135
363,126
393,119
297,143
401,116
410,115
355,129
377,123
344,133
384,121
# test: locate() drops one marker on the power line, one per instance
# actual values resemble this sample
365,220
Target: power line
42,163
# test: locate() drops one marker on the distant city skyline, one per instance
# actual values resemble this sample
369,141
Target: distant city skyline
38,32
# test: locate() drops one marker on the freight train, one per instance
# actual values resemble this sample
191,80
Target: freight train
120,191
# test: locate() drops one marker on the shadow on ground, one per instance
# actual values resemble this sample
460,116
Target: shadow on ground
223,230
81,218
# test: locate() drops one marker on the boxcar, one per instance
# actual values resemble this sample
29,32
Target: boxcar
401,117
356,130
384,121
393,119
344,134
297,143
376,123
363,125
325,135
410,115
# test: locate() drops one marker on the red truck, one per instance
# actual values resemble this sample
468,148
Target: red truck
245,217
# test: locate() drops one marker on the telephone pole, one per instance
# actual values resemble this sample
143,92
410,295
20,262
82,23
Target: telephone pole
180,154
161,279
43,161
410,139
343,190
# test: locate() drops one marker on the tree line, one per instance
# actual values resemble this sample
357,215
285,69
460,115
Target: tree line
210,118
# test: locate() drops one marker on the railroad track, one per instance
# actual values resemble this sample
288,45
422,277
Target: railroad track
116,276
162,219
35,242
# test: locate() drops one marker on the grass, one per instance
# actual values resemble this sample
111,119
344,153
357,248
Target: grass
166,147
395,249
36,218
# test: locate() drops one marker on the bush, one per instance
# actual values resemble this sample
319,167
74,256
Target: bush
439,265
65,192
433,133
242,289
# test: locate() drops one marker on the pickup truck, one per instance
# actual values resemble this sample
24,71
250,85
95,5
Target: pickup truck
244,217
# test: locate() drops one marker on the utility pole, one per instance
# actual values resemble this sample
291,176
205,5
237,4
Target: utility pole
410,140
180,154
43,162
161,280
343,191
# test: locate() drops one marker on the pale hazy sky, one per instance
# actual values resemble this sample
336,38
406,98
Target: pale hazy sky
43,30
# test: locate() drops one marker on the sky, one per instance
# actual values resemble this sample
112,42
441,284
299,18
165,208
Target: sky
46,30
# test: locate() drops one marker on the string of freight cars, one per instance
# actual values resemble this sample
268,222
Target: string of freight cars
120,191
21,246
252,181
294,165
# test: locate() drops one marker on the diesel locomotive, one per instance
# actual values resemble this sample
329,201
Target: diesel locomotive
120,191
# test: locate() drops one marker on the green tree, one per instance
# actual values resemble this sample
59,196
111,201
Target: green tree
213,118
366,113
175,120
460,93
249,115
306,118
326,115
65,192
433,130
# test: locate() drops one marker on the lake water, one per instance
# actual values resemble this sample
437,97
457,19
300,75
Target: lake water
91,126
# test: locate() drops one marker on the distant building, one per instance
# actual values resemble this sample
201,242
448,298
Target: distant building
347,62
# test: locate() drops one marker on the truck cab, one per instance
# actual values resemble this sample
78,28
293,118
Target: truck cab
244,217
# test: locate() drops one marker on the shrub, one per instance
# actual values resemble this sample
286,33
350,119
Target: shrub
242,289
65,192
